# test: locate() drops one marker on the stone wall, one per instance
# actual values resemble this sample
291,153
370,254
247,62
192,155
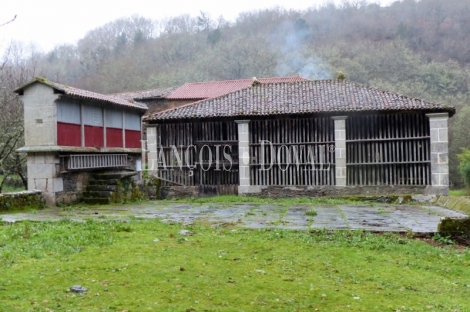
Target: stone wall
460,203
75,184
318,191
40,115
306,191
21,200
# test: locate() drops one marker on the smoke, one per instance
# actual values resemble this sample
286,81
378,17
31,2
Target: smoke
292,39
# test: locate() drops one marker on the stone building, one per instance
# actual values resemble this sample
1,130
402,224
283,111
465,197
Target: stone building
71,134
307,138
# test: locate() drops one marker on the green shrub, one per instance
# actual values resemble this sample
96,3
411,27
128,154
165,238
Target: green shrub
464,160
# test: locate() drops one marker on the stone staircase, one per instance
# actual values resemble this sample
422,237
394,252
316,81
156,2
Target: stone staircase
103,186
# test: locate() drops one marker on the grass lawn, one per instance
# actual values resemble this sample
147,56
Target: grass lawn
462,192
148,266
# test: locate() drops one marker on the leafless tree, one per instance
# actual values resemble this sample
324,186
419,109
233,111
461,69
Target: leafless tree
16,67
10,21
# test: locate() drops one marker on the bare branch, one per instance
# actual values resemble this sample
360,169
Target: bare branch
14,18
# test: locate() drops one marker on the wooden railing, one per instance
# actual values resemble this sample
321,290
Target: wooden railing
94,161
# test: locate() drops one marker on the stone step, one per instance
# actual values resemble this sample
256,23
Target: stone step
114,175
97,194
103,182
110,188
97,200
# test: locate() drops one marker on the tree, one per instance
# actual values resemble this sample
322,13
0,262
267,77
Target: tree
10,21
16,68
464,159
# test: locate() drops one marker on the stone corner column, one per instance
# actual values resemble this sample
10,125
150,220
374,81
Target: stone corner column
438,124
340,149
244,156
43,175
151,151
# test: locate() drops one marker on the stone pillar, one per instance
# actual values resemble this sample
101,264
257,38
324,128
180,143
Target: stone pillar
152,156
439,153
340,149
43,175
244,156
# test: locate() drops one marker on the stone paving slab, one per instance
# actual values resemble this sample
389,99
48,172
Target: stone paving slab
328,217
396,218
294,218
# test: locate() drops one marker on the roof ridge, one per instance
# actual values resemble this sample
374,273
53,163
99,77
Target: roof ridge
240,79
145,90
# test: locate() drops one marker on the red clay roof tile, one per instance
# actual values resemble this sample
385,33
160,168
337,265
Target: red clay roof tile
298,98
113,99
205,90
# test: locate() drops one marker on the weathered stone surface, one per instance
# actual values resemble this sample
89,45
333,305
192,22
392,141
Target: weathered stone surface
439,147
315,191
454,226
78,289
42,171
459,203
22,200
185,233
378,217
40,115
424,198
438,123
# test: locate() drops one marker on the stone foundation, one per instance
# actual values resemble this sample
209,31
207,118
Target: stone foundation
62,187
319,191
308,191
75,184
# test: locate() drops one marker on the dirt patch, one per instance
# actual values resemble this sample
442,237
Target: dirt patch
458,241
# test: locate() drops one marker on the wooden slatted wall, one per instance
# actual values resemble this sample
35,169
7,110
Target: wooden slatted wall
179,135
291,166
389,149
221,138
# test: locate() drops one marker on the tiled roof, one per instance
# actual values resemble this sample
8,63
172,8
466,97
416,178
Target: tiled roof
298,98
146,94
113,99
205,90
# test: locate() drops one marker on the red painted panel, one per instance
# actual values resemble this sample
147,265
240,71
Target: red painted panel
94,136
113,137
133,139
68,134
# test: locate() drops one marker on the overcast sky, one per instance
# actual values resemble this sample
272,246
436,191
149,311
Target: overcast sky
48,23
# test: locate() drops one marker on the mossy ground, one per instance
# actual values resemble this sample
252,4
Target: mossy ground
148,266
